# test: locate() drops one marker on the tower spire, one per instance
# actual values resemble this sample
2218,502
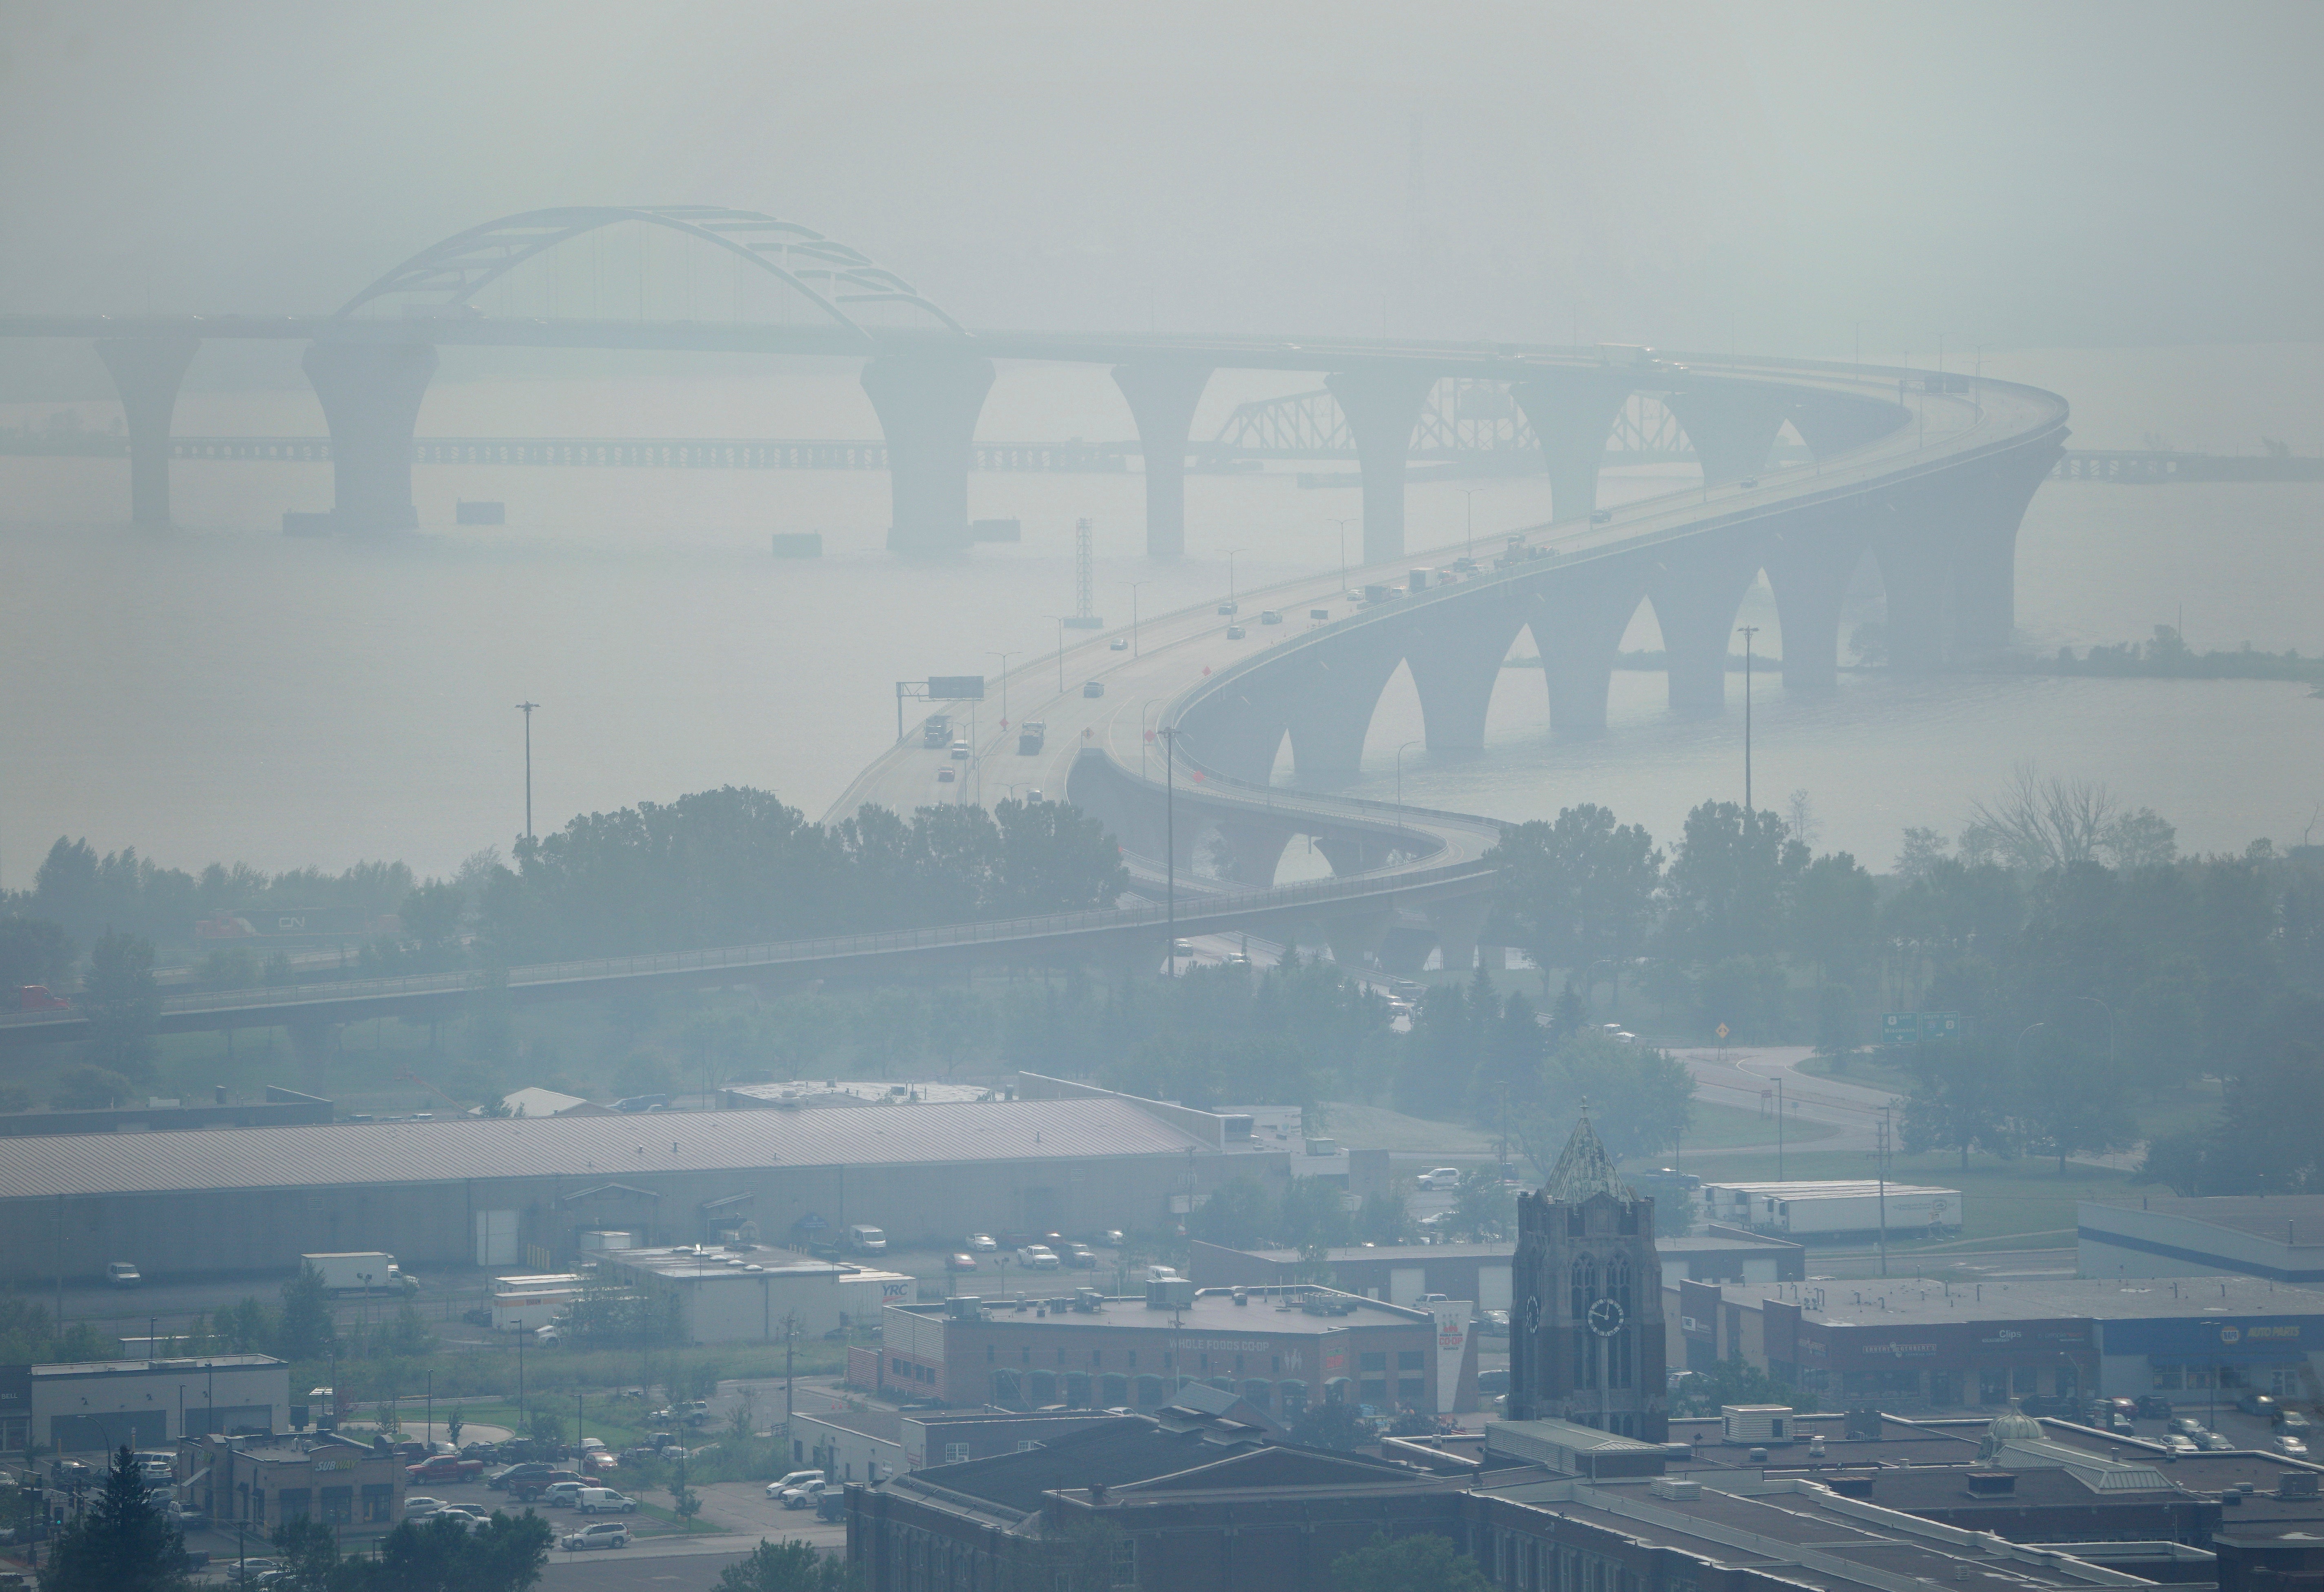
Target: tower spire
1584,1168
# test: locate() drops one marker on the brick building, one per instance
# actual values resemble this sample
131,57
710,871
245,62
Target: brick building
1280,1348
1402,1273
265,1481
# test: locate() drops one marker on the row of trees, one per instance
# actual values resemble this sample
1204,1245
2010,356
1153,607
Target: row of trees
1309,1214
84,892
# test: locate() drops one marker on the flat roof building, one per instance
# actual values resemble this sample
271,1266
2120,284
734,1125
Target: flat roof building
93,1407
482,1192
746,1296
2278,1237
1281,1349
1908,1345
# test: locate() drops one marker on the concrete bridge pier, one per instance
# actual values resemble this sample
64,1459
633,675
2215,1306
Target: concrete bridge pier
1334,709
1809,564
1458,920
928,405
1382,405
146,374
1454,668
371,393
1984,555
1254,847
1572,414
1577,628
1239,736
1916,571
1162,400
1695,602
1732,426
1356,933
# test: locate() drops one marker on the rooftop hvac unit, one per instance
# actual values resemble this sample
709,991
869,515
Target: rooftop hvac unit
1170,1293
1756,1424
963,1308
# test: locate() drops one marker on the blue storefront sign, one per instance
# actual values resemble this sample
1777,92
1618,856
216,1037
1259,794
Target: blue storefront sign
2215,1338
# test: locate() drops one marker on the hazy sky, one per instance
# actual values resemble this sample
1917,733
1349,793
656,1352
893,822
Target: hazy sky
1686,174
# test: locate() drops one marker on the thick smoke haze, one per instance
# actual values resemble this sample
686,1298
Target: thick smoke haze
1769,176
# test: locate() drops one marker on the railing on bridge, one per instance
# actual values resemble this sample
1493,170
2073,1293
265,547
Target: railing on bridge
1463,418
636,452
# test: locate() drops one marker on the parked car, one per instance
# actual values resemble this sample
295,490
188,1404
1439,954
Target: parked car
960,1263
1493,1323
186,1517
121,1273
2153,1407
777,1487
606,1533
1441,1177
444,1468
2178,1443
2185,1424
832,1505
2283,1442
416,1505
2215,1442
605,1501
1080,1257
2259,1404
2292,1420
1112,1238
249,1573
982,1244
563,1495
1038,1257
1436,1221
469,1519
529,1481
804,1495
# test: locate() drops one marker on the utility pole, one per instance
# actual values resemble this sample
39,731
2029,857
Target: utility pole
527,707
1469,498
1779,1128
1169,735
790,1340
1343,525
1231,581
1747,632
1004,657
1133,620
1880,1171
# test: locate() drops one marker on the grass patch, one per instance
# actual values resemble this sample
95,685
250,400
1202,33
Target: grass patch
1375,1127
1715,1127
1872,1070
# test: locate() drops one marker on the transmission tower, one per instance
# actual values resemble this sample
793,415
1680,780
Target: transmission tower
1084,580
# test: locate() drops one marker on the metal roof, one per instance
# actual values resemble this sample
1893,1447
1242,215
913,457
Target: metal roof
339,1153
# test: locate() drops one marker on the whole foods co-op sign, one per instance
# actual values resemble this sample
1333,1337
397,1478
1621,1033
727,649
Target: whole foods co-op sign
2216,1339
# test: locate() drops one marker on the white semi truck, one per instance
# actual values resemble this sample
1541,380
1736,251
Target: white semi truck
363,1271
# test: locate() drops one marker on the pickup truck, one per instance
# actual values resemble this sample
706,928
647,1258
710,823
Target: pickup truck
444,1468
35,998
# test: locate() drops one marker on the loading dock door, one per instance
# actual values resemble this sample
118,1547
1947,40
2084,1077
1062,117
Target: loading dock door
1407,1283
496,1237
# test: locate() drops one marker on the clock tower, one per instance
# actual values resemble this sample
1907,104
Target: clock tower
1586,1316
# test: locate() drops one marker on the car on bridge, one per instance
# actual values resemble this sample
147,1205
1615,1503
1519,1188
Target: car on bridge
1093,689
1268,616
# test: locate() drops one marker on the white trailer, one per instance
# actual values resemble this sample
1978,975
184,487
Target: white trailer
361,1271
1833,1209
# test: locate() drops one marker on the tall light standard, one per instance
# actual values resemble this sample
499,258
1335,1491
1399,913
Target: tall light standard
1169,735
1061,653
1399,771
1004,657
1133,616
526,708
1230,580
1343,525
1747,632
1468,497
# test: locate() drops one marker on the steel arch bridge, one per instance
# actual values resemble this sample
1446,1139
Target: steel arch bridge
446,277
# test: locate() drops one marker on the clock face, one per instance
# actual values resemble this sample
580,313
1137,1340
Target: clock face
1606,1318
1533,1313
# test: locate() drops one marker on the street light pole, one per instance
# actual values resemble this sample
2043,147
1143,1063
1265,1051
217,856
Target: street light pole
527,707
1004,657
1231,581
1343,525
1747,632
1169,735
1133,616
1469,495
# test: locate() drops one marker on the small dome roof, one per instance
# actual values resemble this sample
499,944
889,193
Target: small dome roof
2011,1425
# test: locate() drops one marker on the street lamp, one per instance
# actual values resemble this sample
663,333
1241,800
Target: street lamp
1169,735
1747,632
1343,525
1133,616
1399,771
1231,581
526,708
1004,657
1061,652
1468,493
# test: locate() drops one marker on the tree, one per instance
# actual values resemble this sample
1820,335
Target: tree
1238,1214
2038,825
1835,914
1331,1424
439,1554
1054,858
307,1332
1731,882
87,1086
1421,1562
1960,1101
684,1499
1733,1381
123,1003
1481,1207
309,1550
123,1542
1923,849
791,1566
2070,1103
229,967
34,951
1577,890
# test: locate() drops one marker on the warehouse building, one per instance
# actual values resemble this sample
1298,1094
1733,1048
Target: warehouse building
94,1407
504,1191
2279,1237
1280,1348
747,1295
1908,1345
1402,1273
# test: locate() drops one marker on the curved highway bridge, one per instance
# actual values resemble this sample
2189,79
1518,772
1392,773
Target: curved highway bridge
1178,731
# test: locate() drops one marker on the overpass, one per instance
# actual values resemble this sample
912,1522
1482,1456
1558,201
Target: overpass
1927,476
